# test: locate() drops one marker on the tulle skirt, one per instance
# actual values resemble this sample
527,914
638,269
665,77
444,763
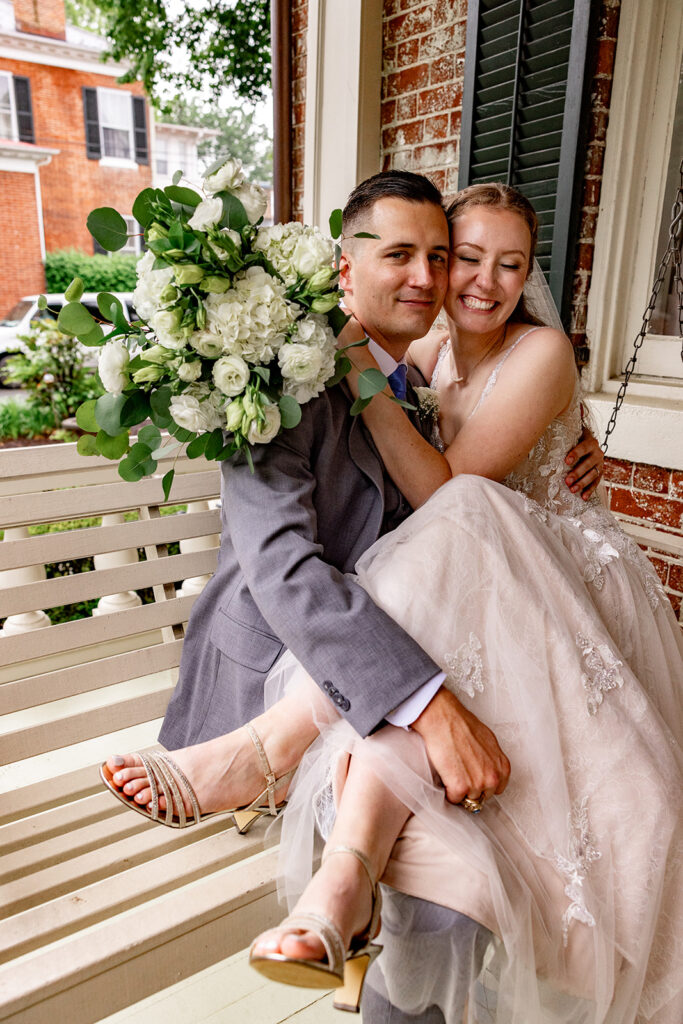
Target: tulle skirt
556,633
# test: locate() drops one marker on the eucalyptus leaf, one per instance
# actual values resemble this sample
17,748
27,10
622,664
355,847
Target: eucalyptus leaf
87,445
290,411
92,338
108,413
108,228
371,382
167,482
142,207
42,302
337,320
177,176
214,444
402,403
365,234
197,447
359,405
336,223
185,196
234,214
343,367
130,471
75,290
112,447
85,416
159,402
263,372
227,451
75,319
139,454
150,435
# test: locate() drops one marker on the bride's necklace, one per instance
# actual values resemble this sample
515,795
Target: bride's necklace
499,341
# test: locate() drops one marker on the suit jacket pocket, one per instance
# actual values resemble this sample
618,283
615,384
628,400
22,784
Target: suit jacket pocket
243,644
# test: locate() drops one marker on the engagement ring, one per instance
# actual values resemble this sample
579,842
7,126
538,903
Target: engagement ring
473,805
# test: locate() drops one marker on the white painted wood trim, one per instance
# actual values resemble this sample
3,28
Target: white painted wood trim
343,96
644,92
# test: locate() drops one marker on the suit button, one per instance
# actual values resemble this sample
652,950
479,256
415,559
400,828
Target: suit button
338,699
327,686
345,704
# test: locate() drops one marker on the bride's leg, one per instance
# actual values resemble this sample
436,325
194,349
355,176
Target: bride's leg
369,818
226,772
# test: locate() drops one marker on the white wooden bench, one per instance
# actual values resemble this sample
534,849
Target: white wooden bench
99,908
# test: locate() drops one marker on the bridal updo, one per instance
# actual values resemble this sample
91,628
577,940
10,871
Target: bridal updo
501,197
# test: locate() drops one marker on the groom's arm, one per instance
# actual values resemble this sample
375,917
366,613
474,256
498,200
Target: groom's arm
360,657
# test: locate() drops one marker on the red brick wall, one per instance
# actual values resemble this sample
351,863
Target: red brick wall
22,265
71,184
41,17
423,64
299,26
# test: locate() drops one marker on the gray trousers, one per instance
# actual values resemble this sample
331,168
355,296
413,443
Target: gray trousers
470,938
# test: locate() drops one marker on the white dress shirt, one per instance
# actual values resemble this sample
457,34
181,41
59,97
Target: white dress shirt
412,707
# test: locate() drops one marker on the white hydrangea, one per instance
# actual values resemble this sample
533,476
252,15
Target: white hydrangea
151,283
198,409
307,362
252,319
228,177
295,250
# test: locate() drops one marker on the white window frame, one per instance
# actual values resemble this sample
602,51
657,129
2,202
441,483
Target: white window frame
116,161
133,246
12,106
639,137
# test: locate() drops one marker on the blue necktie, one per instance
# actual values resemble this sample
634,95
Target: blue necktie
397,381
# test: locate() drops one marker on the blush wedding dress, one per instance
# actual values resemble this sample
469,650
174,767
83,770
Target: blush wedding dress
554,629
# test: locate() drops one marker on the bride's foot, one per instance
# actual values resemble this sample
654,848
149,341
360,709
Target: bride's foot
343,892
225,772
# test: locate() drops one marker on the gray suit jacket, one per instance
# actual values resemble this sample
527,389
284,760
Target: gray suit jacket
292,530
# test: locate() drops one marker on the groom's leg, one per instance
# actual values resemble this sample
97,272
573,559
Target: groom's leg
429,951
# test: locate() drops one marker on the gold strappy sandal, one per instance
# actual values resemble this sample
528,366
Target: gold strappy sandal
343,970
165,778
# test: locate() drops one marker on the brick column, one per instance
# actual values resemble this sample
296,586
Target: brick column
41,18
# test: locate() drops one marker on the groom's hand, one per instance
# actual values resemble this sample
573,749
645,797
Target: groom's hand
587,461
464,752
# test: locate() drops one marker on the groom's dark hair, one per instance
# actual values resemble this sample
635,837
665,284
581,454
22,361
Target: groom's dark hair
414,188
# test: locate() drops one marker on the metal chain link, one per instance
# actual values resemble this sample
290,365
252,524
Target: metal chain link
672,254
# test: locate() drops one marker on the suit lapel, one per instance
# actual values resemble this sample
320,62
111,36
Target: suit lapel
362,449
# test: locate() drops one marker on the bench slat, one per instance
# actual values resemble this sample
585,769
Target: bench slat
95,540
51,686
65,636
38,829
75,502
84,586
82,725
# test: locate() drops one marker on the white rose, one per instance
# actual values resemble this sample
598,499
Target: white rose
300,363
207,344
266,431
228,177
253,198
313,251
113,366
190,371
208,213
230,374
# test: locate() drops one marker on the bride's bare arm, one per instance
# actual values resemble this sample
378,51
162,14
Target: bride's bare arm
536,385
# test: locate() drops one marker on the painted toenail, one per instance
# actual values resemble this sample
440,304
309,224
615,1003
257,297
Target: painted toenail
118,777
118,760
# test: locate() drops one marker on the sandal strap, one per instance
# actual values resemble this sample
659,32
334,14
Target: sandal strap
164,775
271,780
373,926
177,775
326,931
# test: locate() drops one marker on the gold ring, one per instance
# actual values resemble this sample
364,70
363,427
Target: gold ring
473,805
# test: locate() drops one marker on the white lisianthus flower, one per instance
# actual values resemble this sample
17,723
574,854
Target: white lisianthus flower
300,363
151,283
207,343
165,325
230,374
253,198
228,177
265,432
216,247
313,252
190,371
198,409
113,367
206,214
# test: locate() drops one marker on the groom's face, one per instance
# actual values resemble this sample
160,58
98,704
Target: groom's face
395,284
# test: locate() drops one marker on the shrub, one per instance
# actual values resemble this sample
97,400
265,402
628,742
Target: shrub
24,420
114,273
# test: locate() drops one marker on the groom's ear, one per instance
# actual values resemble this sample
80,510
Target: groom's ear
345,274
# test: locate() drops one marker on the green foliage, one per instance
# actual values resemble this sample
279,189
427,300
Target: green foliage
240,134
186,47
51,368
98,273
19,419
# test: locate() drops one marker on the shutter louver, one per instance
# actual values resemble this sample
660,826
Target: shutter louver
92,124
524,90
23,107
140,130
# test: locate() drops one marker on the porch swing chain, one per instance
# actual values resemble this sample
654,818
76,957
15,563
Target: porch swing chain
673,253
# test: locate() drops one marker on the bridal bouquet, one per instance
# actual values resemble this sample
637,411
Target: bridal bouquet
236,328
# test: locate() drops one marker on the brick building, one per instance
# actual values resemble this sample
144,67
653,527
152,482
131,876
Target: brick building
71,139
591,92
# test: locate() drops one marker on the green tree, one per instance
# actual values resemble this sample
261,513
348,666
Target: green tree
240,135
199,46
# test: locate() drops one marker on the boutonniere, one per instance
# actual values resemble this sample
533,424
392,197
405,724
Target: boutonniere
427,407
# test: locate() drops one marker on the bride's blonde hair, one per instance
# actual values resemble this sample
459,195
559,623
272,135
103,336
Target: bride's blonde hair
500,197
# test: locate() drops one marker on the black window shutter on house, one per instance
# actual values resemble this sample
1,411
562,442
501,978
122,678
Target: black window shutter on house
92,124
22,104
524,105
140,130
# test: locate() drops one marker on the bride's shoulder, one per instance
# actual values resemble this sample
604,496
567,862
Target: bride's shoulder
542,343
424,352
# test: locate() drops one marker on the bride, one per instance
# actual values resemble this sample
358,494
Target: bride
552,628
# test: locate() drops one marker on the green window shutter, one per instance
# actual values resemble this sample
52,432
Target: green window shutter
525,99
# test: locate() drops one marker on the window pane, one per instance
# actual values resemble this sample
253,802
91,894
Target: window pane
5,124
115,108
116,142
5,101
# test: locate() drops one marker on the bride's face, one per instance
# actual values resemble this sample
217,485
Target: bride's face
489,264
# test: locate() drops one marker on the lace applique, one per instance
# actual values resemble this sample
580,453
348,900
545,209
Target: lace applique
654,588
535,509
599,553
582,852
604,672
466,668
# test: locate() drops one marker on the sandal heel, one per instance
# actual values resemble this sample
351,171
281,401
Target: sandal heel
245,819
347,996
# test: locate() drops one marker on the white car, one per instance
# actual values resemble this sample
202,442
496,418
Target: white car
18,321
